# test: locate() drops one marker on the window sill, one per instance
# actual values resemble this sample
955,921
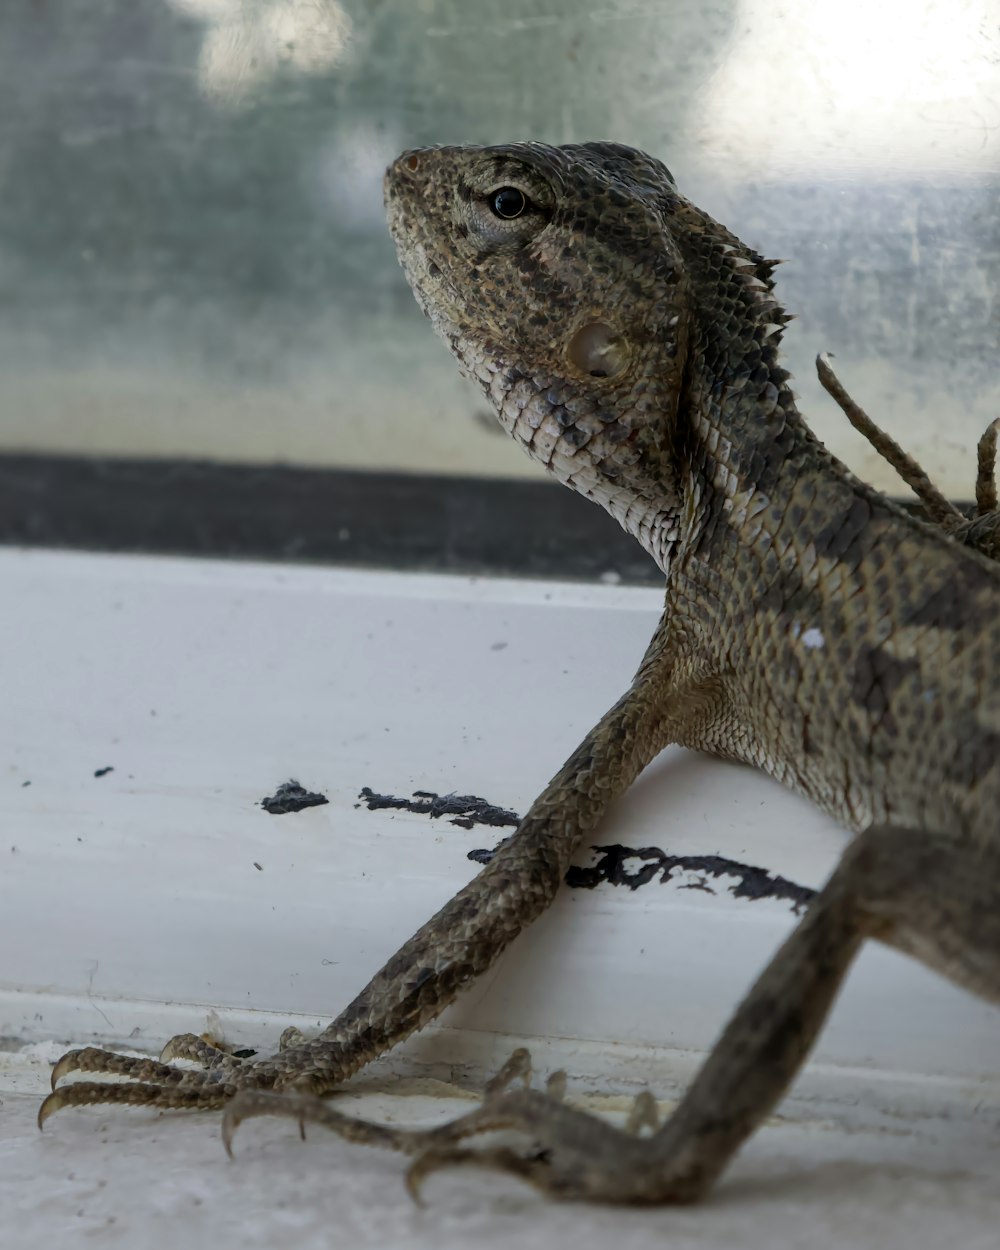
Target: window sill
160,897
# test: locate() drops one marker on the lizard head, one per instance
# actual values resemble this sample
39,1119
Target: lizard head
550,275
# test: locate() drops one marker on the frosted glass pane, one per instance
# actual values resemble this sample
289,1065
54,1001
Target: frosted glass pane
193,259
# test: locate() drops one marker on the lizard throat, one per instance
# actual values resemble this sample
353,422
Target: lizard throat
602,453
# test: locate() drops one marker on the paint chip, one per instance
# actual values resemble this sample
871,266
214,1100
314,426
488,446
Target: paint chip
291,796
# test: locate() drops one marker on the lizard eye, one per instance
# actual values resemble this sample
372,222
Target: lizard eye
508,203
505,218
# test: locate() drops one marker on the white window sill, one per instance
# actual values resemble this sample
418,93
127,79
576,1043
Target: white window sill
132,905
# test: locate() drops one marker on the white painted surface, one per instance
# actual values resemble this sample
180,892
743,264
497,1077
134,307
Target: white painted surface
832,1174
131,906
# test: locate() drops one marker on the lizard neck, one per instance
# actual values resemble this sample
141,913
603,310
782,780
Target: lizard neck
742,446
596,452
730,440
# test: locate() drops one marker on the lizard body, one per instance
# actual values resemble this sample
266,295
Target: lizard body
825,611
812,628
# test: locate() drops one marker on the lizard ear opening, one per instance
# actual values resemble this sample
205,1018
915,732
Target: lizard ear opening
598,350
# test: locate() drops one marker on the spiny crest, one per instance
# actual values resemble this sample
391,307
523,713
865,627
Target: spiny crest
755,274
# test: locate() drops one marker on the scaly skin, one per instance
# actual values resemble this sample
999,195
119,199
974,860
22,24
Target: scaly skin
811,628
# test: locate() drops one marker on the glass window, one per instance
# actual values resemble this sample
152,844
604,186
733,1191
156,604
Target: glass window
194,264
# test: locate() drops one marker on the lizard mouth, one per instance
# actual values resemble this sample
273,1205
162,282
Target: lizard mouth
438,295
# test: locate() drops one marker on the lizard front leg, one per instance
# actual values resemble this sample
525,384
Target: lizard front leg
929,896
455,947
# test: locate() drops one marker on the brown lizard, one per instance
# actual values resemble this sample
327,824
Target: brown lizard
812,628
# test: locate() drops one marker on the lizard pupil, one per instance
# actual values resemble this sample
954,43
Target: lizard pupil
508,202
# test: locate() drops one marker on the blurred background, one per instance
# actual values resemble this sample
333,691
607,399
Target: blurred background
196,283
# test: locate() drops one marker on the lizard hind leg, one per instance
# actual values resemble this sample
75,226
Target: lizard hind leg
921,893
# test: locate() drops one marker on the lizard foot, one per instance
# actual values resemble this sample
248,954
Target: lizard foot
150,1082
307,1108
569,1153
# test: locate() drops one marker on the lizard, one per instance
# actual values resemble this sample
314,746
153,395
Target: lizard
812,628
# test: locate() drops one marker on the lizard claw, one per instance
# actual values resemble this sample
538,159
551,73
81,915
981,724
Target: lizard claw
50,1105
64,1066
250,1103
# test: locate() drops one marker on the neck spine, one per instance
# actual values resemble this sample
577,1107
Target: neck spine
740,433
